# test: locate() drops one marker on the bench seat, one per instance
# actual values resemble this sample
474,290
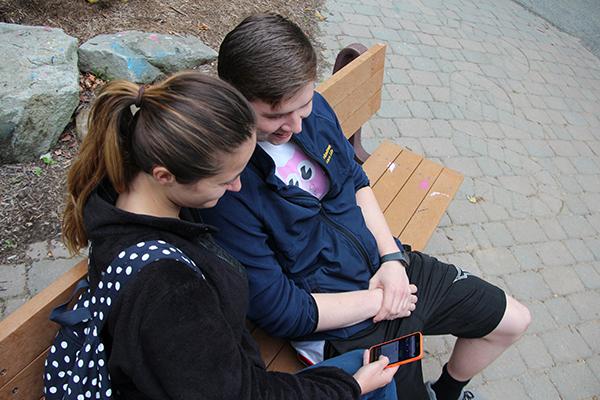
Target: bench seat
413,193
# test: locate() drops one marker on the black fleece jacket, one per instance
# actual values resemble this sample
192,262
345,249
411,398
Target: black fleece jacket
172,335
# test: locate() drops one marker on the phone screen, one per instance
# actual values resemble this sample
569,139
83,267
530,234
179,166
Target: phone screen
398,350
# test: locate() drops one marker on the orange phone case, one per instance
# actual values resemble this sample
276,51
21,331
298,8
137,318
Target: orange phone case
409,360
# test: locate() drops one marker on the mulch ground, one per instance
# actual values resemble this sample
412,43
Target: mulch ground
32,194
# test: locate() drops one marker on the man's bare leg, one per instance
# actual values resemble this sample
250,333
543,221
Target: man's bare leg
471,356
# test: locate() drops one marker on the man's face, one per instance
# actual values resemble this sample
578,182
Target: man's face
276,124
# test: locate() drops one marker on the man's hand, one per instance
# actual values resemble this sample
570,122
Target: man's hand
399,298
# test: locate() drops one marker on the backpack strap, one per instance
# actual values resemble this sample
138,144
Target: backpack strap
65,317
122,268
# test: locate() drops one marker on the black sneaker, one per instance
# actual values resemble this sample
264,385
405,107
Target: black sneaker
464,395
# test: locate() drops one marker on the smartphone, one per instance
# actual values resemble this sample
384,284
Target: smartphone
402,350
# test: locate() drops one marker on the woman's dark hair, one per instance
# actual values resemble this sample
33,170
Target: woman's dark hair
267,57
183,124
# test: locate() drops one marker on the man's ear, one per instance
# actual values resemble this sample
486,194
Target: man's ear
163,176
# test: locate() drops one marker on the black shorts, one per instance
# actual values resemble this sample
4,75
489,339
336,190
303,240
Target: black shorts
450,301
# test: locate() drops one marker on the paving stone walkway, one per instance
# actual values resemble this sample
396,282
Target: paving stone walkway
495,92
45,261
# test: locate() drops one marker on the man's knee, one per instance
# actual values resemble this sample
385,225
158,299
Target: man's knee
522,318
513,325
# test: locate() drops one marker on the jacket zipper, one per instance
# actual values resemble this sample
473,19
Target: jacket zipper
342,229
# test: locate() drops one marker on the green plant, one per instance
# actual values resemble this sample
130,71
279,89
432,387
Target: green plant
37,171
47,159
9,244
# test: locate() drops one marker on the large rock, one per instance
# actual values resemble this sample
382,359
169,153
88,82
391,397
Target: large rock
39,89
141,57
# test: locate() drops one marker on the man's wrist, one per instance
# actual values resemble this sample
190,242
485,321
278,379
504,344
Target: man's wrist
377,296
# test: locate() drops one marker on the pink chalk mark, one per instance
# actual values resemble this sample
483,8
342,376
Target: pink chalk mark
47,28
153,37
424,184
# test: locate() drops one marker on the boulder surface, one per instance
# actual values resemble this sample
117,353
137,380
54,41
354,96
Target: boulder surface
39,89
141,56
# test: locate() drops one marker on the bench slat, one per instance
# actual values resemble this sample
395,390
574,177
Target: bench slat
28,332
355,121
427,217
382,157
359,98
344,82
395,177
285,361
269,346
408,199
27,384
355,90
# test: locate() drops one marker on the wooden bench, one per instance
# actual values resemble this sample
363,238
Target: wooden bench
413,193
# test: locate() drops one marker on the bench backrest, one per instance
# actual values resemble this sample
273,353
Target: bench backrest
354,91
25,335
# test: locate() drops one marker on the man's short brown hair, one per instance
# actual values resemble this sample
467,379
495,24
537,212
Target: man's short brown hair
267,57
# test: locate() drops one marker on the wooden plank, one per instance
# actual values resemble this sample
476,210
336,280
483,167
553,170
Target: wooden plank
27,384
362,115
286,361
359,97
395,177
27,332
426,218
406,202
346,80
269,346
379,161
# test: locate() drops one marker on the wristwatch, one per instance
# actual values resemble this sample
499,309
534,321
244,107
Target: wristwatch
397,256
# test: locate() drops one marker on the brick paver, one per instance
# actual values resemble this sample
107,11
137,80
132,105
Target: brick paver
45,261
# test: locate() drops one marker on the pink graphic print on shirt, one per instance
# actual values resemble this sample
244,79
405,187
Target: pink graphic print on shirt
302,172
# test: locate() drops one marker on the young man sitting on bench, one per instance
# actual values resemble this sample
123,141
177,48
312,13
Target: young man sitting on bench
323,266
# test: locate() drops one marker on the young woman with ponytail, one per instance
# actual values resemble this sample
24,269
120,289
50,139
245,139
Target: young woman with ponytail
153,155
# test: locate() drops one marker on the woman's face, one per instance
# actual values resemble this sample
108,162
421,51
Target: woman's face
206,192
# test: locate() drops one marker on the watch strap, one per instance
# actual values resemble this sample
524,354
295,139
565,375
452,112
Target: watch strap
397,256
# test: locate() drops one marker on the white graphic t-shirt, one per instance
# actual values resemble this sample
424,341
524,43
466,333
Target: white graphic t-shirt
293,167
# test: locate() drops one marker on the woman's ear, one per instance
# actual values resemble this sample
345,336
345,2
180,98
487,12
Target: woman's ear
163,176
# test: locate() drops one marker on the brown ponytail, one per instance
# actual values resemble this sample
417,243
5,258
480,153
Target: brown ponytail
183,123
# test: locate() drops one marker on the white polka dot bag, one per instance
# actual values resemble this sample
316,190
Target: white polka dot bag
76,367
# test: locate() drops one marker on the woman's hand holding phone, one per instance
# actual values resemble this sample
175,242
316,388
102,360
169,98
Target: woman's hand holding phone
372,376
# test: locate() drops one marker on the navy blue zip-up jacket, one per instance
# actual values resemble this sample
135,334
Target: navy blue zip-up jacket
292,243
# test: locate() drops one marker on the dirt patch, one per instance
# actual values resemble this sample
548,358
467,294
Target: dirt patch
32,194
209,20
